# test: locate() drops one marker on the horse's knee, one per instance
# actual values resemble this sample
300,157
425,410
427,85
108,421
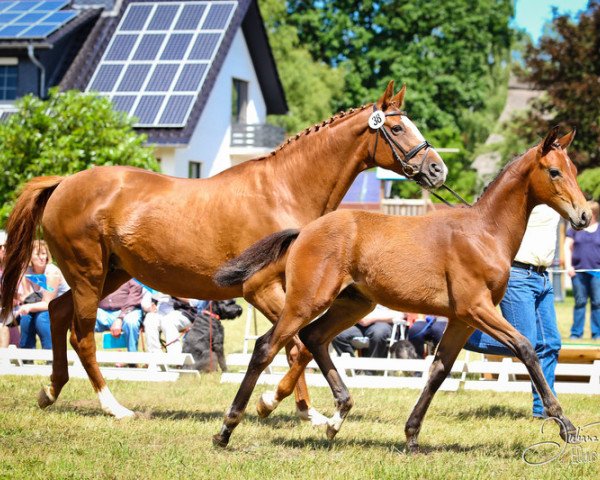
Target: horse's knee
525,351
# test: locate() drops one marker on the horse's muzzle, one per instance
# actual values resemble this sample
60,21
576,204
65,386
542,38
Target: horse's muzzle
582,219
432,175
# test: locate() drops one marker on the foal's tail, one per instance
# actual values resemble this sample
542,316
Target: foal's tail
21,229
255,258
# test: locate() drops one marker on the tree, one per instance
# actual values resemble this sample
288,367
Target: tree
67,133
566,65
311,87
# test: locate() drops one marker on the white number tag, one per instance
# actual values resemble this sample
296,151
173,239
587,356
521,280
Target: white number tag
376,120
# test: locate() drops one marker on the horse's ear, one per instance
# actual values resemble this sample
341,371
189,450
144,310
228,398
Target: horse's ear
399,97
549,140
386,98
566,140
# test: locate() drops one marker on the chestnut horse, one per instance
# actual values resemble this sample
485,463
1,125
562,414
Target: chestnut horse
453,263
107,224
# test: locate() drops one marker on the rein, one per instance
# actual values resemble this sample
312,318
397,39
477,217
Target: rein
409,170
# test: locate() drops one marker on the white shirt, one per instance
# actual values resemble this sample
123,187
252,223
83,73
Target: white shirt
539,243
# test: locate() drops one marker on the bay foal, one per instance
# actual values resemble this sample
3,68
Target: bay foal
453,263
108,224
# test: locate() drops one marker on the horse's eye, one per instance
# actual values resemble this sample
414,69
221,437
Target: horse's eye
554,173
396,129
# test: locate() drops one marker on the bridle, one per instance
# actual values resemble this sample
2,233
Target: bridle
410,171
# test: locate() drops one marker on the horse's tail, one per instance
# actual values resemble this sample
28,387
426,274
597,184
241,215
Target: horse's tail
21,229
255,258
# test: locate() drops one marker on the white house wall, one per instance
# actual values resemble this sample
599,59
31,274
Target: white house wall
210,143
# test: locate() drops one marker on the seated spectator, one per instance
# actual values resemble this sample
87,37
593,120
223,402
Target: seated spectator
376,326
121,313
429,330
168,315
43,282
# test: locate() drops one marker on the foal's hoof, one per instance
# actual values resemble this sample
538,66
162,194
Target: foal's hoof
568,432
219,441
45,397
266,404
412,448
331,432
313,416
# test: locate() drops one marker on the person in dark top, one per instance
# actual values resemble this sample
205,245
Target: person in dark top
582,252
121,313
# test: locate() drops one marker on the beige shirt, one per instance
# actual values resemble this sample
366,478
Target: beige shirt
539,243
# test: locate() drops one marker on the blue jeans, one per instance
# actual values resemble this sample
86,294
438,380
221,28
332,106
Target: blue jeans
528,305
586,285
32,324
131,325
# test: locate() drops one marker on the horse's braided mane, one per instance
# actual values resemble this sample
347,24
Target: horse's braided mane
315,128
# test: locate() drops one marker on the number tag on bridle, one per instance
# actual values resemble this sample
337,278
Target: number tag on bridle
376,120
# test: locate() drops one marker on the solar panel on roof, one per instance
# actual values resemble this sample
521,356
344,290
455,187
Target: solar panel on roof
158,51
36,19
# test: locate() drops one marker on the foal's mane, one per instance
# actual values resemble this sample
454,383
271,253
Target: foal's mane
315,128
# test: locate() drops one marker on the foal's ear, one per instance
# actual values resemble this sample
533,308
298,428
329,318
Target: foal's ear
386,98
399,97
549,140
566,140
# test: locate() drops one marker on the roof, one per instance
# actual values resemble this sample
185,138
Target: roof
175,121
38,22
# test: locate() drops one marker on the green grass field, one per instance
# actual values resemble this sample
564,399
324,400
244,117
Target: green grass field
465,434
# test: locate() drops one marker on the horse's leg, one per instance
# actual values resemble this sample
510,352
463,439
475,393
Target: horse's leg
61,316
348,308
486,318
318,335
298,311
86,296
269,297
453,340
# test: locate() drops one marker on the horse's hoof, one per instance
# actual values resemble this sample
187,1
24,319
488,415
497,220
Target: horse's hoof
123,414
45,397
568,432
412,448
219,441
331,432
313,416
266,404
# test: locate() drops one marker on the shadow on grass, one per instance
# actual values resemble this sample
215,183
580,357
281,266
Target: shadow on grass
340,443
491,411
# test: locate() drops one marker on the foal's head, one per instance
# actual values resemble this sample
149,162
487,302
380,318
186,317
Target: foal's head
398,145
554,180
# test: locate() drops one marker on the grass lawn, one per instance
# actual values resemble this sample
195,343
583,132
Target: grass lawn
465,434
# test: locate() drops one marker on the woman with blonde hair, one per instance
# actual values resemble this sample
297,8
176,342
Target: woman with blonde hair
35,319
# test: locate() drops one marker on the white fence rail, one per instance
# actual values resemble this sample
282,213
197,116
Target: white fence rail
149,367
500,376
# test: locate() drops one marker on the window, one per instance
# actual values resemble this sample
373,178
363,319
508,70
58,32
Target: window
239,101
8,82
194,170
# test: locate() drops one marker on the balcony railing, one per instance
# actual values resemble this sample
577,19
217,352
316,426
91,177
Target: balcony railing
256,135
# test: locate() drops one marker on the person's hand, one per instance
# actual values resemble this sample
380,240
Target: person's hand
571,272
116,327
23,310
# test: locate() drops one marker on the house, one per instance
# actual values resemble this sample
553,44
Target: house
198,76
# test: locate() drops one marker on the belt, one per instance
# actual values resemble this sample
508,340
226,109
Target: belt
528,266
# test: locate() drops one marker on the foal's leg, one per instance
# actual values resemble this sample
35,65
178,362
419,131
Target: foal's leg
267,295
453,340
298,311
348,308
486,318
61,316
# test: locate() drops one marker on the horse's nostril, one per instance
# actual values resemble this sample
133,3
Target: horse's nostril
435,168
583,217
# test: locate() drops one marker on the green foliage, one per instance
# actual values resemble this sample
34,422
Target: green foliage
589,181
67,133
310,86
